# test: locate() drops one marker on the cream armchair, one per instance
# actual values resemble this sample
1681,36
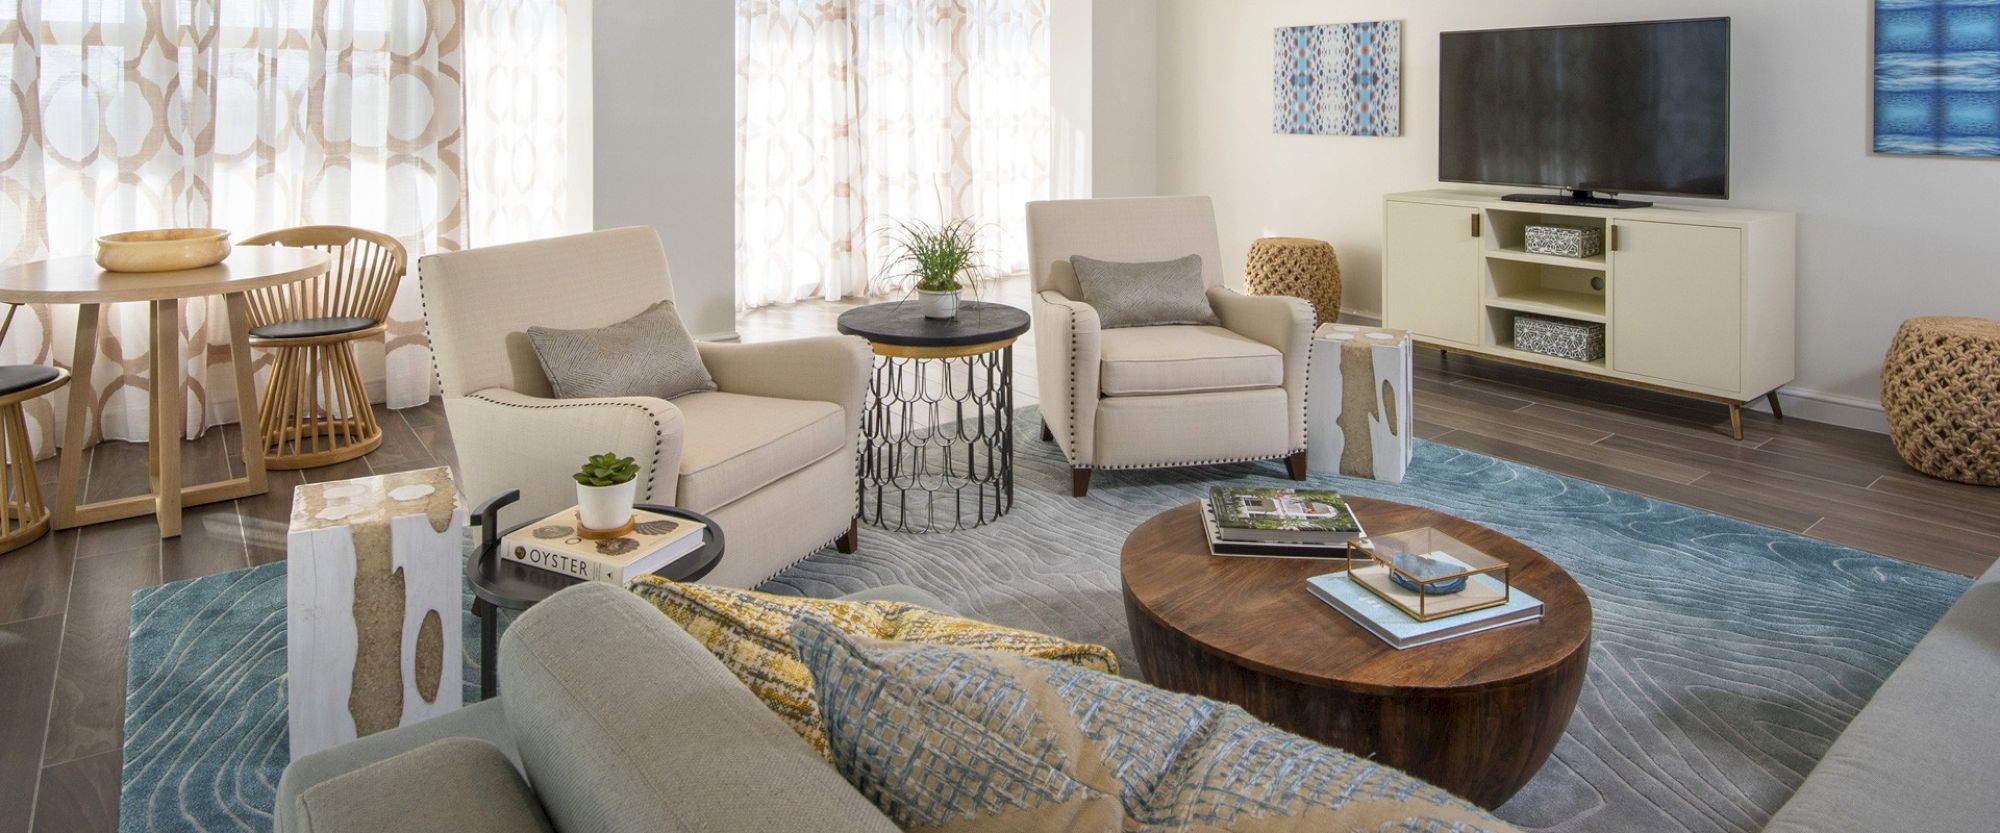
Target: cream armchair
1151,397
770,455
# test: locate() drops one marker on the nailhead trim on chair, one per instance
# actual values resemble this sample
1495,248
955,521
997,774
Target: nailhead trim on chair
1305,396
659,436
1221,462
424,306
1069,453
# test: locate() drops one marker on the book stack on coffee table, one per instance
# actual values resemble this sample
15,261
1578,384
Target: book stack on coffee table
1278,522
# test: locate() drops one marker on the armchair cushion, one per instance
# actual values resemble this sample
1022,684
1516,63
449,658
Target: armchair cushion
1144,361
649,354
736,444
1145,294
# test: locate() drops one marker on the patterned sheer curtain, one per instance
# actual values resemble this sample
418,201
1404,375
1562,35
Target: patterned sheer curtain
854,113
247,115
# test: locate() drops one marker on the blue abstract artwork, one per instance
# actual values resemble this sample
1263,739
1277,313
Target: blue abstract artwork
1937,77
1341,79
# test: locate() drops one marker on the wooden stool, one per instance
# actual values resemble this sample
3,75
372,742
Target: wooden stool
1941,392
25,517
1298,267
315,409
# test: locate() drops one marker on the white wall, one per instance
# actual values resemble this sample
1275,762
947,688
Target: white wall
1880,238
1103,97
664,150
1124,98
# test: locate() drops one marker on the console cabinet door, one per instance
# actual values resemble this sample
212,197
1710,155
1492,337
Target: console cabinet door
1677,303
1430,270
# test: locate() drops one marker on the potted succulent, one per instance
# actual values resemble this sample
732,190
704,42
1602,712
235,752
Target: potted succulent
604,491
937,261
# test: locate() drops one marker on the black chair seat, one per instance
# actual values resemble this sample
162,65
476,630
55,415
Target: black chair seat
313,327
15,378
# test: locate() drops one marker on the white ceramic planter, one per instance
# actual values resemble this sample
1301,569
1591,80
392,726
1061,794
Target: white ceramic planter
938,304
604,507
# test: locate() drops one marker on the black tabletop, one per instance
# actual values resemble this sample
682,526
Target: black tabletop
903,323
512,586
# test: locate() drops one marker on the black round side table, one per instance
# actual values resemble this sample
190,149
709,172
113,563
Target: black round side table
937,435
499,584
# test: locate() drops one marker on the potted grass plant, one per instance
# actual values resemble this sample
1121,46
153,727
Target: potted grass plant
604,491
937,261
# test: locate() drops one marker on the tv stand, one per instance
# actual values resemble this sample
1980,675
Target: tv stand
1577,197
1694,301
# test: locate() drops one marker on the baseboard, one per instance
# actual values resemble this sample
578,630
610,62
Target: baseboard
1801,403
1830,408
731,337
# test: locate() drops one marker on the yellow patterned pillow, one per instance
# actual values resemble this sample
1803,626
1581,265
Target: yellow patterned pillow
752,634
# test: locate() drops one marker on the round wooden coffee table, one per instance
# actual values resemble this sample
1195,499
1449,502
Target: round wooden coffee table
1475,715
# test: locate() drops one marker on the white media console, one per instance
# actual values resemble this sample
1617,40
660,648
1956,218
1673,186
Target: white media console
1694,301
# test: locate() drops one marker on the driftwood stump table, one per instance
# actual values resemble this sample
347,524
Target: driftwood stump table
1476,715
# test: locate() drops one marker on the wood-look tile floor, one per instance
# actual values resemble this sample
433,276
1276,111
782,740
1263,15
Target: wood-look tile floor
65,600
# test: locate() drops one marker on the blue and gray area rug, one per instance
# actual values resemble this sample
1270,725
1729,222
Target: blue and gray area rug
1726,657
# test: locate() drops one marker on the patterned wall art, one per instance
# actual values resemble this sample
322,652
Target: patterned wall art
1340,79
1937,77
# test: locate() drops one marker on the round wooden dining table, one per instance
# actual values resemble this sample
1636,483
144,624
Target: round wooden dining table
80,281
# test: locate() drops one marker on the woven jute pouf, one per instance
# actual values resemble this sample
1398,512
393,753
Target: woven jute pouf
1941,390
1298,267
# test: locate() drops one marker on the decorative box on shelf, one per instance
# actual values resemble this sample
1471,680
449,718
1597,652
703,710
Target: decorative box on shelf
1563,338
1428,574
1565,241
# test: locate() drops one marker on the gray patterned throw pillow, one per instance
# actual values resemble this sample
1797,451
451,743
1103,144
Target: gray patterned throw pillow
1144,294
649,354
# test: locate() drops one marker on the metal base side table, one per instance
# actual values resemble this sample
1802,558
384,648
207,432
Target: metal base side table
498,584
937,434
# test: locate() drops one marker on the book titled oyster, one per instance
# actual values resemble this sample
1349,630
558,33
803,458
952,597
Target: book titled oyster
1282,515
553,544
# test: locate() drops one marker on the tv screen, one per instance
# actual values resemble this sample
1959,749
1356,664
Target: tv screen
1624,107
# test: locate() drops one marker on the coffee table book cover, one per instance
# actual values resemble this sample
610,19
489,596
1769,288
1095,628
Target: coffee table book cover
553,544
1283,515
1400,630
1268,549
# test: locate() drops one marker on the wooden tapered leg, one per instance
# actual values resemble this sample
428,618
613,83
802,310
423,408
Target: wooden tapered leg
1079,482
76,417
848,543
167,428
1777,412
1736,421
1295,465
1047,435
246,392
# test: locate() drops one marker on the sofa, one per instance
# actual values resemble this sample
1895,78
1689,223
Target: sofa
666,744
776,439
1924,753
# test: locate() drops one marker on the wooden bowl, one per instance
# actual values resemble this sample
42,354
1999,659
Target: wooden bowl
162,250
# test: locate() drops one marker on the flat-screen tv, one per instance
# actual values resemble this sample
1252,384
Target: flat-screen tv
1616,108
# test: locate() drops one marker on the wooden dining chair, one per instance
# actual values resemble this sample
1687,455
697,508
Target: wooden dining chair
23,515
314,409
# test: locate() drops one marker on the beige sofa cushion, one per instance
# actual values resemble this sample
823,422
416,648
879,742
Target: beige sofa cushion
1923,753
625,724
736,444
1145,361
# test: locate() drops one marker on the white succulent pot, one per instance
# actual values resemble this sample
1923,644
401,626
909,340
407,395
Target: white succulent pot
604,507
939,304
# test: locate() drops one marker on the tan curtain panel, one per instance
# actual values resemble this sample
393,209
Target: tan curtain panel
252,115
854,113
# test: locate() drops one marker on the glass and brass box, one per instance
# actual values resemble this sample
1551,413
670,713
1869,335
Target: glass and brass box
1428,574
